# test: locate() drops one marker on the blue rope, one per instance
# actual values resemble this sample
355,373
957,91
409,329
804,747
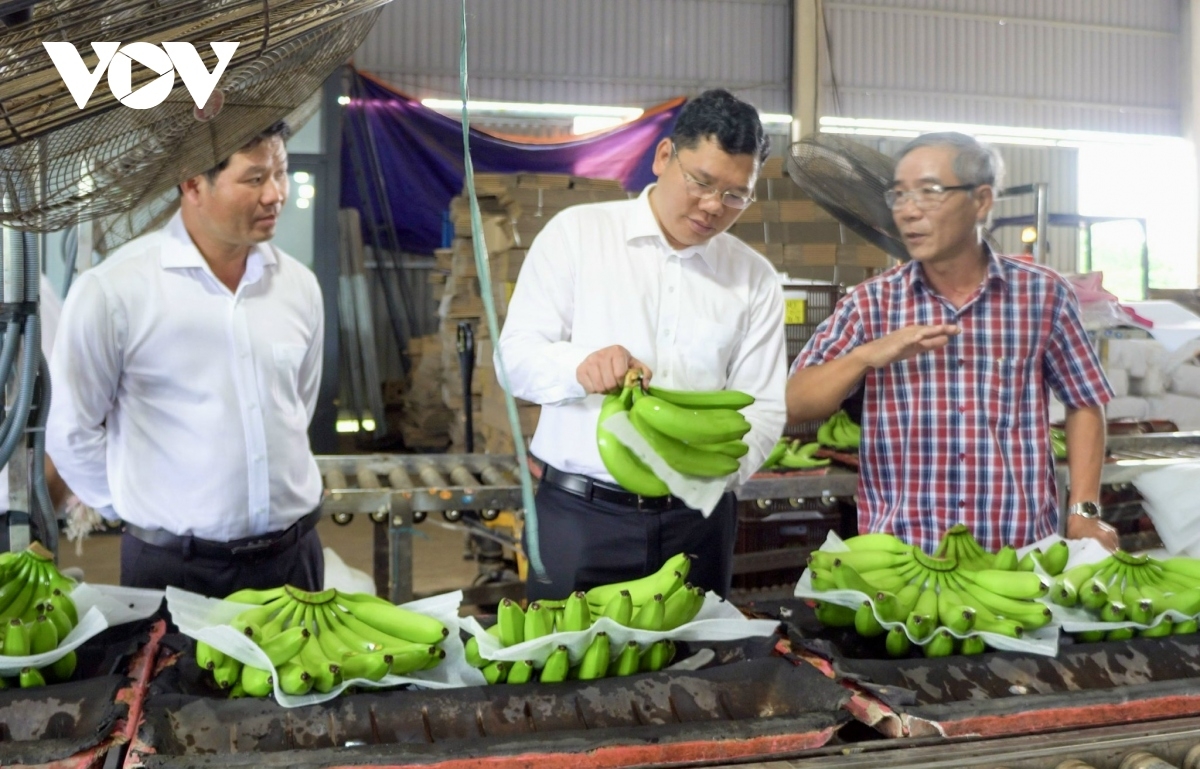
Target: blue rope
483,270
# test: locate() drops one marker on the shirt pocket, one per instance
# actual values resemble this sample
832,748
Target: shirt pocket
705,348
1003,383
285,382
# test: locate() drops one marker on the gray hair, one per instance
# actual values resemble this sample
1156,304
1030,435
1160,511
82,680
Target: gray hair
976,163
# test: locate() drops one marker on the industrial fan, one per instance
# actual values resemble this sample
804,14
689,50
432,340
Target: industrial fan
64,159
61,164
848,180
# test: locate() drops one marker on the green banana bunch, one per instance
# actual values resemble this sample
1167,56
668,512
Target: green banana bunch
772,460
669,578
932,600
1058,443
1133,588
622,464
316,640
28,580
801,457
839,432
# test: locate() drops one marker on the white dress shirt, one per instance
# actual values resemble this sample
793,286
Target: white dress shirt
183,406
704,318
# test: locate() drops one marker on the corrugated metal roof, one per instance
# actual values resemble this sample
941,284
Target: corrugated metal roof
1099,65
613,52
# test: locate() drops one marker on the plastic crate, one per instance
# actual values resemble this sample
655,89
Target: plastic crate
782,525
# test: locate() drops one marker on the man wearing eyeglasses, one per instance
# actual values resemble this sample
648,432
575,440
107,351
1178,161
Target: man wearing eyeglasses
957,352
655,284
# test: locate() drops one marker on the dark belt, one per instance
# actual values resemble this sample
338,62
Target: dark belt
589,488
271,543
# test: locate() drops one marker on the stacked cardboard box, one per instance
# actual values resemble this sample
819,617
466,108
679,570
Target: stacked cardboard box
514,209
424,419
800,238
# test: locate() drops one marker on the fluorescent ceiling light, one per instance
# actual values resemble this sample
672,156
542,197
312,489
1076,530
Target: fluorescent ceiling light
586,124
533,109
994,134
774,118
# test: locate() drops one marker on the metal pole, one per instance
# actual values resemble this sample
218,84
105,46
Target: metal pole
1042,212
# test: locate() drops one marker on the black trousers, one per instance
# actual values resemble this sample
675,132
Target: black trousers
143,565
585,543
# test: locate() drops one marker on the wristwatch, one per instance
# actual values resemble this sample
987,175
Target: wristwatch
1085,509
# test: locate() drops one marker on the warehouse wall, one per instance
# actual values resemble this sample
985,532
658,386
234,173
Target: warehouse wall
1100,65
611,52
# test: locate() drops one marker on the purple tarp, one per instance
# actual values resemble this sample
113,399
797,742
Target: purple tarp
420,154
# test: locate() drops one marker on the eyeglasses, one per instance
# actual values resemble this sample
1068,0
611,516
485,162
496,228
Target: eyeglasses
698,189
926,198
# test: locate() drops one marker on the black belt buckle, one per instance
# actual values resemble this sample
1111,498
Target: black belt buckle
255,546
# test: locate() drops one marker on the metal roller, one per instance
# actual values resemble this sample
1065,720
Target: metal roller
398,478
495,476
1074,763
367,479
431,477
1192,759
1140,759
335,480
461,476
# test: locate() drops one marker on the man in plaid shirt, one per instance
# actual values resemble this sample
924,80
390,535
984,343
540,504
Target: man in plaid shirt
958,351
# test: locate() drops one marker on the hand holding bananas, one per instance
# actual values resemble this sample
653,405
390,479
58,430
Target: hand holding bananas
315,641
659,602
36,613
1133,588
604,370
940,602
695,433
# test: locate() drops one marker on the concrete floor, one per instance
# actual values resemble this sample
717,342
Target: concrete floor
438,565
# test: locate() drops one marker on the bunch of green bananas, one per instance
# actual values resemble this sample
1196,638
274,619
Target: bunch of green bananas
315,641
696,433
839,432
660,601
1133,588
959,544
36,613
1058,442
798,456
922,598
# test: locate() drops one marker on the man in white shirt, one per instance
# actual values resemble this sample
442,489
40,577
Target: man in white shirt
186,372
655,284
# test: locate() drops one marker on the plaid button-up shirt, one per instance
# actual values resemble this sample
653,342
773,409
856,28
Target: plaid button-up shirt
961,433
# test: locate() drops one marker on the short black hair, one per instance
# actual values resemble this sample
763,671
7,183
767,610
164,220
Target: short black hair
279,128
733,123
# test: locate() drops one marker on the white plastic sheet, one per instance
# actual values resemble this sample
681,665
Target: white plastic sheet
717,620
207,619
701,494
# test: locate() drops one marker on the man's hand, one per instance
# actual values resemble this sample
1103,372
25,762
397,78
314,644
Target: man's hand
1080,527
604,370
906,343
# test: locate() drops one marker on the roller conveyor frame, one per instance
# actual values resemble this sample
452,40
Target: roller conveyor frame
400,490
